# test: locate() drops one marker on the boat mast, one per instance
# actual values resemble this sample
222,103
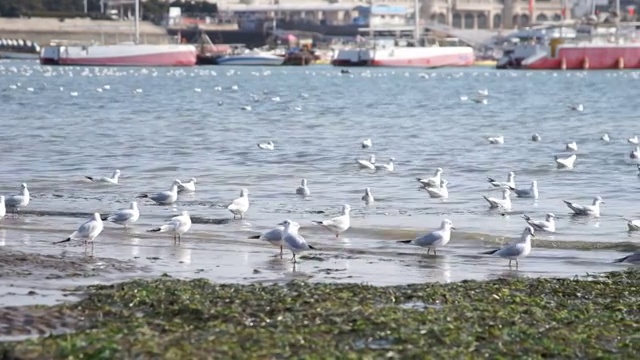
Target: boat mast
618,17
416,19
136,23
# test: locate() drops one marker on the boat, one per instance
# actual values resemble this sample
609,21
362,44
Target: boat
253,57
18,49
124,54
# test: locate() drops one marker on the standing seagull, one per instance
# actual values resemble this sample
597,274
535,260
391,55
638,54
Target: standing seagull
108,180
504,203
586,210
18,201
87,232
164,197
303,189
338,224
292,240
434,239
240,206
189,186
178,225
125,217
510,184
273,237
517,250
548,224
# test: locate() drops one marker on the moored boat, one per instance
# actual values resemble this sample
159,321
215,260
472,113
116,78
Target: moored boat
18,49
251,57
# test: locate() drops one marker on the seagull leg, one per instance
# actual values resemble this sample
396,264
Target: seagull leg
428,251
92,242
179,239
434,252
509,262
337,235
294,258
516,263
280,251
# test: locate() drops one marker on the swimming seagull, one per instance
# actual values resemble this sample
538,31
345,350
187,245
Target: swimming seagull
546,225
578,107
504,203
367,197
87,232
366,144
367,164
273,236
292,240
510,184
266,146
572,146
125,217
303,189
439,193
565,163
635,153
388,167
586,210
164,197
633,225
339,224
517,250
189,186
535,137
109,180
531,192
178,225
240,206
432,181
434,239
633,140
483,92
496,139
605,137
18,201
632,259
3,209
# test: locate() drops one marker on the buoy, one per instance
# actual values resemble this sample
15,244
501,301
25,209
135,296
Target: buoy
621,63
563,64
585,64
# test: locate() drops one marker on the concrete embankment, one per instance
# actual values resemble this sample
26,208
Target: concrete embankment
44,30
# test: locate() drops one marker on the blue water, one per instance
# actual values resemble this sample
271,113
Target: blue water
156,125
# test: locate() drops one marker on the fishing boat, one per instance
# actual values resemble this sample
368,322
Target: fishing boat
124,54
251,57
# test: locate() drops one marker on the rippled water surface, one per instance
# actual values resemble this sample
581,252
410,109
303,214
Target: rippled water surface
61,123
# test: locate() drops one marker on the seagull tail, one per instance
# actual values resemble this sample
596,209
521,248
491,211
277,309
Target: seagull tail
621,259
158,229
63,241
90,178
317,222
491,180
254,237
143,196
490,252
526,217
313,247
105,217
404,241
567,202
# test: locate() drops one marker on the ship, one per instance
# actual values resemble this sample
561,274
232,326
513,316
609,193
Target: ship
18,49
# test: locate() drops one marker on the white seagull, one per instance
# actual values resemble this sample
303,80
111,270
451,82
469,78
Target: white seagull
388,167
164,197
605,137
367,197
125,217
303,189
3,209
439,193
536,137
504,203
273,237
269,145
367,164
87,232
107,180
516,250
189,186
434,239
496,140
432,181
178,226
339,224
635,153
565,163
531,192
633,225
509,184
17,202
240,206
546,225
586,210
292,240
633,140
367,143
572,146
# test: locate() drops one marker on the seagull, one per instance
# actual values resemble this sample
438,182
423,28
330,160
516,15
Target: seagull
535,137
632,259
303,189
504,203
3,209
269,145
367,197
367,164
439,193
482,101
531,192
633,225
635,154
517,250
605,137
496,139
483,92
633,140
87,232
434,239
389,167
546,225
565,163
125,217
432,181
586,210
164,197
292,240
108,180
18,201
510,184
178,225
572,146
338,224
240,206
578,107
366,144
189,186
273,236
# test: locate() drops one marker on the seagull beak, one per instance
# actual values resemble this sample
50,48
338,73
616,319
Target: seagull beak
282,223
453,228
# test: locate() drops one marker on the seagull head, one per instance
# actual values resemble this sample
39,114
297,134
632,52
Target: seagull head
447,224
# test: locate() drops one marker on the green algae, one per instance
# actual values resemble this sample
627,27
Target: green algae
167,318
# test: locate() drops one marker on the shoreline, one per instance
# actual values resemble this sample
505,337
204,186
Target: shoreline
565,318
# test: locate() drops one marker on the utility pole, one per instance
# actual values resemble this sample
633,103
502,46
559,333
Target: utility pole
86,10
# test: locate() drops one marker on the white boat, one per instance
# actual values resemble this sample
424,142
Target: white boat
251,57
